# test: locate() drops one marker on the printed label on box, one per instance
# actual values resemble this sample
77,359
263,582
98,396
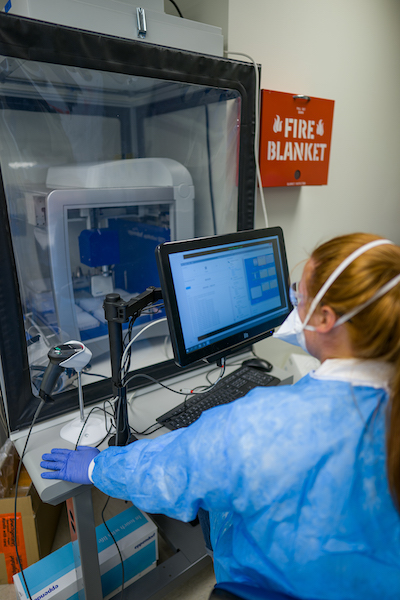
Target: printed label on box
59,575
7,544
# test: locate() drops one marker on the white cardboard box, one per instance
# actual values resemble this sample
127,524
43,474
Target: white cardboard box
57,577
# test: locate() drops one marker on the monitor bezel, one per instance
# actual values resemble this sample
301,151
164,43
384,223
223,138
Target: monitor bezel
227,346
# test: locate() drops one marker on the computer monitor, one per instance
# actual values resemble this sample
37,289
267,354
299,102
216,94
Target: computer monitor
223,293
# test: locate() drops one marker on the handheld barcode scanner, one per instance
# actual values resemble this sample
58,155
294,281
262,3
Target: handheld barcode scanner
72,355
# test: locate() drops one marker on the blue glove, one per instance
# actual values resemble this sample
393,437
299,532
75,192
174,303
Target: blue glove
69,465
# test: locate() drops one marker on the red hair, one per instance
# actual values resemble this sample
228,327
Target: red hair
375,331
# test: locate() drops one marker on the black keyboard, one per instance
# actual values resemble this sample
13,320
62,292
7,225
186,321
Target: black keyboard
230,388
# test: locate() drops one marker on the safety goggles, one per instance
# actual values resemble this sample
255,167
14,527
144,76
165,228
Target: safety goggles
295,296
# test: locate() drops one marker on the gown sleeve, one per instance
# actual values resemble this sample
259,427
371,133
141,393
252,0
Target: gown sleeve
239,457
178,472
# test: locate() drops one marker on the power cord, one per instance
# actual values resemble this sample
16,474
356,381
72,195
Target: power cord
112,424
182,393
36,415
125,360
113,419
116,545
177,8
106,413
84,372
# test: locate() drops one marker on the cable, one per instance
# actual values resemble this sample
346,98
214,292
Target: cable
125,354
177,8
39,408
94,374
105,418
137,375
152,310
115,542
206,388
126,365
191,392
146,431
257,131
216,369
210,177
114,415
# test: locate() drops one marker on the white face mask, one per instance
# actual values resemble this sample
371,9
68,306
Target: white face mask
292,329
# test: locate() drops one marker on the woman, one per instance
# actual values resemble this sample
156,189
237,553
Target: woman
302,482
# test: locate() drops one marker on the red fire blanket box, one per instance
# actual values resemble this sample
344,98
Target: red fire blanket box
295,139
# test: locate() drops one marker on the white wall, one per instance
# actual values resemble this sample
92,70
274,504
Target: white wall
212,12
348,51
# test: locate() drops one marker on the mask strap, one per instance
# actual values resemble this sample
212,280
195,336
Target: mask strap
386,288
333,276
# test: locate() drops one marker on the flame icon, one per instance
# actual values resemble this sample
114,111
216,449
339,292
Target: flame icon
277,127
320,127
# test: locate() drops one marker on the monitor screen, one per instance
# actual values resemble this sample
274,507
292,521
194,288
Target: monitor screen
223,293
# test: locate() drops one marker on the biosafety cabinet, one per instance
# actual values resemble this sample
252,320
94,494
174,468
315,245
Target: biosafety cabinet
108,147
108,217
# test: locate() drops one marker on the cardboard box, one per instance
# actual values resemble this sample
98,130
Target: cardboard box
36,521
28,549
58,577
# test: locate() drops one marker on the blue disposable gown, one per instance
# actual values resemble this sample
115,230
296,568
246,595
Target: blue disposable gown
294,479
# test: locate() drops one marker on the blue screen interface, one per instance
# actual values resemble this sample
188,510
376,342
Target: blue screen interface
227,289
